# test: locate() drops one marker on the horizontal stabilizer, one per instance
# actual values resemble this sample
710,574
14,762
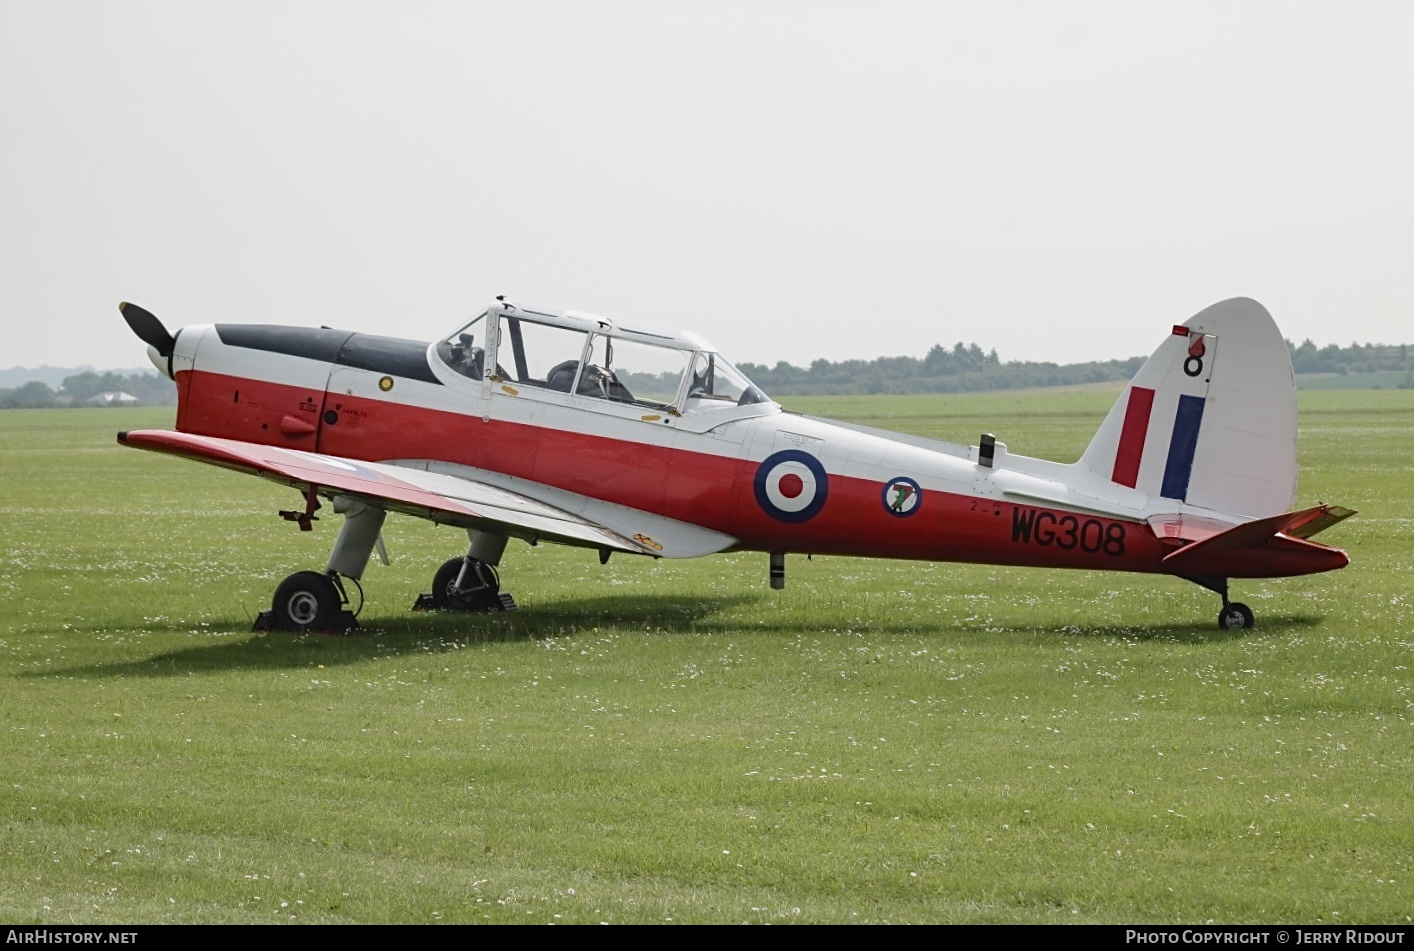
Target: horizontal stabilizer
1318,520
1246,535
1267,547
1188,527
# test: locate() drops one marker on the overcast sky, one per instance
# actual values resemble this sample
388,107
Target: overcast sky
792,180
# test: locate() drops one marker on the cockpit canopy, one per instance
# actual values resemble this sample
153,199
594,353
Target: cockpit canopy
595,357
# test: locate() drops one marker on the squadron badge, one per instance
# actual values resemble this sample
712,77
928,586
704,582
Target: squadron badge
902,497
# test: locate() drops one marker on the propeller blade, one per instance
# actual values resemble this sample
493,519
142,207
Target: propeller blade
148,328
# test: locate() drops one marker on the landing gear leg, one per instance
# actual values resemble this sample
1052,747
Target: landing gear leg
311,601
470,583
1234,616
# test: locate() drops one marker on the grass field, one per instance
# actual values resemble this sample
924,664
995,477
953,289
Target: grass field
654,741
1378,380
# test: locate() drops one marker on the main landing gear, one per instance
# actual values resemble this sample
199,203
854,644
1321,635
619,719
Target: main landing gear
470,583
1234,616
317,601
309,601
313,601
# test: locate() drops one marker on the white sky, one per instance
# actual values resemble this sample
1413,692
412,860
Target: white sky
792,180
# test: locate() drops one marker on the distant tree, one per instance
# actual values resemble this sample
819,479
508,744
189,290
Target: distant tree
149,388
1304,357
31,395
82,385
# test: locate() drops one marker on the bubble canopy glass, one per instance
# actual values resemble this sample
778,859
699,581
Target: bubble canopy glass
597,358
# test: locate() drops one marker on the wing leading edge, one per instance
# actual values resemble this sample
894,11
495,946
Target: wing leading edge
439,496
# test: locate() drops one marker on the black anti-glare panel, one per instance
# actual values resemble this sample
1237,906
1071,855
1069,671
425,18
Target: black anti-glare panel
391,355
312,343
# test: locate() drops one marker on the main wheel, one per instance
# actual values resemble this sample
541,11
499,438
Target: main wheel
1236,616
305,601
480,588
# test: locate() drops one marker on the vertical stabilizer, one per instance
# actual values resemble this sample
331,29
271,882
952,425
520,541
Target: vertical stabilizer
1210,419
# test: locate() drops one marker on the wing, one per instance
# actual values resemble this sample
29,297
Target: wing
450,499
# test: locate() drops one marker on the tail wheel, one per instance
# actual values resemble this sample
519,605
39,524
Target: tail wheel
480,589
1236,616
305,601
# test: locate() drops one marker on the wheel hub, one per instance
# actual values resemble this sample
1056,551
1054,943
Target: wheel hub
303,607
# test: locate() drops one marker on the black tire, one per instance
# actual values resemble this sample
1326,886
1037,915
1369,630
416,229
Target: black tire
1236,617
305,601
481,579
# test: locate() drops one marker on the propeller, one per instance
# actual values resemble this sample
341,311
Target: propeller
148,328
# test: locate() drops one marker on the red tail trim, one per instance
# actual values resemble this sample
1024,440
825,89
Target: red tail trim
1132,435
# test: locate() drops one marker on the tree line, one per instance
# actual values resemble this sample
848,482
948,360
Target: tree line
966,368
1356,358
149,388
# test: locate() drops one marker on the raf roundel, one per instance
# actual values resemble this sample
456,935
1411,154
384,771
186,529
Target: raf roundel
791,485
344,465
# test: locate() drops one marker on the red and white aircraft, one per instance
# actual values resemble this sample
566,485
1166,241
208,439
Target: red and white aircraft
557,426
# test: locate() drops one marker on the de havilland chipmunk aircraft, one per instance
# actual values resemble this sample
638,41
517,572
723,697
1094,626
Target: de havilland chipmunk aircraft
565,427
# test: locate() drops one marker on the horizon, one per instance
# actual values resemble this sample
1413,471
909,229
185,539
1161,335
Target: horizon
151,370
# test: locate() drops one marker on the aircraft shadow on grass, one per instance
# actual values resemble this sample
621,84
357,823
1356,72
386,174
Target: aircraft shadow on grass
445,632
425,633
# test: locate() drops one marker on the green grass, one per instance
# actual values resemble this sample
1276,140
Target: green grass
644,741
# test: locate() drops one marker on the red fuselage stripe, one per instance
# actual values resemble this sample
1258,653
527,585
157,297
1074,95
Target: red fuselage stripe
1132,435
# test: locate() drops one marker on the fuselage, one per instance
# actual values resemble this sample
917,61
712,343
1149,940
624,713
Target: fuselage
773,480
